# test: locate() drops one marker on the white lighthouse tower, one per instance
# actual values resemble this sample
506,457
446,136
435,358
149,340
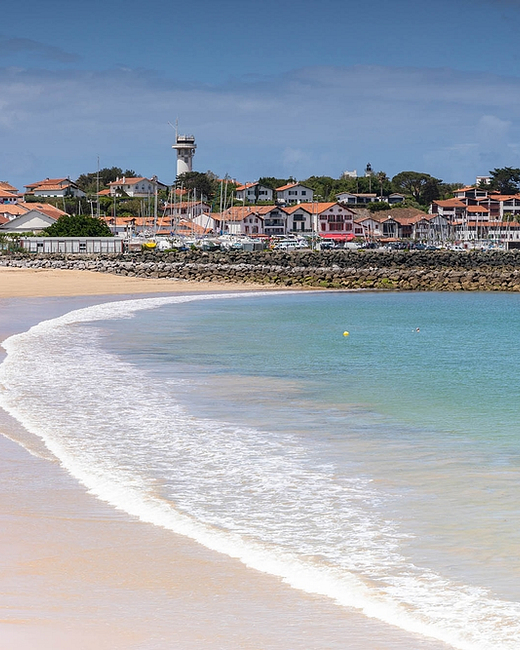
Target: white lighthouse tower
185,145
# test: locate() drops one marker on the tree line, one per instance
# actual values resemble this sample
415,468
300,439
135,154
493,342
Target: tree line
418,188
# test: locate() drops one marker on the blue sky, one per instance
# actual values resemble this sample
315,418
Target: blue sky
272,88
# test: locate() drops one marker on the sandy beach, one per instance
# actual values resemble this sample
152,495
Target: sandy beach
76,573
24,283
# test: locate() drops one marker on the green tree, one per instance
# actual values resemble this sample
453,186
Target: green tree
378,206
82,226
273,182
204,185
448,189
423,188
430,191
89,182
325,188
505,180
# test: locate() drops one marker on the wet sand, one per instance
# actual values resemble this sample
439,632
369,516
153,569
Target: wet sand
76,573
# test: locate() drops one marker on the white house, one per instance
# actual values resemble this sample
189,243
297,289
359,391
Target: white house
11,210
241,220
207,221
300,217
275,220
372,227
294,193
134,187
253,192
335,221
54,187
8,193
356,198
393,198
32,221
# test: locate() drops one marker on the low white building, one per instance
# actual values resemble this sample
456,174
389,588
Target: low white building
79,245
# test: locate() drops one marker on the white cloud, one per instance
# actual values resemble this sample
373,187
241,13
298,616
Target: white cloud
292,158
311,121
493,133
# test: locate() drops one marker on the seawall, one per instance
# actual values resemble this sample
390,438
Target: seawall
341,269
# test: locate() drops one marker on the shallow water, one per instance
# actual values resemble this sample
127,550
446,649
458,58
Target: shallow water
379,469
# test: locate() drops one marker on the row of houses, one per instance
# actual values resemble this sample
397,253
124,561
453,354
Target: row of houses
292,193
141,187
474,213
339,222
138,187
329,220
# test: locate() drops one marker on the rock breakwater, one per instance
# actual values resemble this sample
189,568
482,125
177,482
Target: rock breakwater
341,269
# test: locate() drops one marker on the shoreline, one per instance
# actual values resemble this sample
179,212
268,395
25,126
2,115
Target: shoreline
78,573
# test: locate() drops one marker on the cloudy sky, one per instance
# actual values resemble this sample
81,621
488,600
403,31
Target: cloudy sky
274,88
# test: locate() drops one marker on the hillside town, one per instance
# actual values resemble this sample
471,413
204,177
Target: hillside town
140,211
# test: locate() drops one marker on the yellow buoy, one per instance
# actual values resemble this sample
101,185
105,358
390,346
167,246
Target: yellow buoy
345,333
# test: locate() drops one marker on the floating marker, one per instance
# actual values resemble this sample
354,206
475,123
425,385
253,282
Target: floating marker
345,333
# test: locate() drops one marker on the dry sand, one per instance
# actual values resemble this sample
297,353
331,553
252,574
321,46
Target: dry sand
24,283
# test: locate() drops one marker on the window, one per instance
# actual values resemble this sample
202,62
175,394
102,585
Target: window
304,192
293,193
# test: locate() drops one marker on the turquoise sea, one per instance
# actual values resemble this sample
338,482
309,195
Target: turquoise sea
379,469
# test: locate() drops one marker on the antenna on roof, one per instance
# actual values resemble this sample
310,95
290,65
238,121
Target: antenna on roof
175,128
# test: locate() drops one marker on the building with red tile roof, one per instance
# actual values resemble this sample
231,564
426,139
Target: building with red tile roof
138,187
54,187
253,192
294,193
